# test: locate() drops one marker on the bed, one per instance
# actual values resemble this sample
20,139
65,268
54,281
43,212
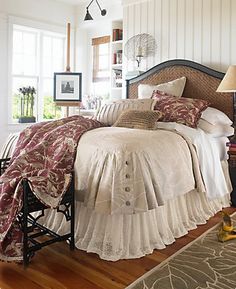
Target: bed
113,217
125,233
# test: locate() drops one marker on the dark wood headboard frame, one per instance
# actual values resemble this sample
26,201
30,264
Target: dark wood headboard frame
201,83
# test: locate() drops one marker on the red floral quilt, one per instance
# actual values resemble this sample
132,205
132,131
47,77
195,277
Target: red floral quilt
44,154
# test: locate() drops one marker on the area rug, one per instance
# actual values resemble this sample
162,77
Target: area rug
204,263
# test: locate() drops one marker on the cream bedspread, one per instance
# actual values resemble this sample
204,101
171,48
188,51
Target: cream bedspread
125,235
127,171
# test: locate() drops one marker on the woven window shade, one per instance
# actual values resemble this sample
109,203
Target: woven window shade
95,43
100,40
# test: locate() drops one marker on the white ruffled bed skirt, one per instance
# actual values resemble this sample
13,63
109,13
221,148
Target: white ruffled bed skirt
115,237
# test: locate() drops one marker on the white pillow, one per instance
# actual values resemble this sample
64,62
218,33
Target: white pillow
216,130
109,113
175,88
215,116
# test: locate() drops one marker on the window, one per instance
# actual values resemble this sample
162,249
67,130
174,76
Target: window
101,59
101,66
36,55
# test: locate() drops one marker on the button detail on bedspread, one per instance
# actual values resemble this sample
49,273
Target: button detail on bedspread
127,176
127,163
127,189
127,203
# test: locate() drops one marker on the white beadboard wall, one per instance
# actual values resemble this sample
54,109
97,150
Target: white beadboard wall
200,30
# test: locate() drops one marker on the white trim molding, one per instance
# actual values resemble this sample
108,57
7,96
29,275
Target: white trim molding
37,24
132,2
3,16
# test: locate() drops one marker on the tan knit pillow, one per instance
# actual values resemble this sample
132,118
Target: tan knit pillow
138,119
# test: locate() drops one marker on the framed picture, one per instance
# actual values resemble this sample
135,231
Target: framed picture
67,86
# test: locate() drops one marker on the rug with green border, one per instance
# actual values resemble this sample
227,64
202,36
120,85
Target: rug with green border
205,263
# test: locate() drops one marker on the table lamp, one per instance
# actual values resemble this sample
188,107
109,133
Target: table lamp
228,84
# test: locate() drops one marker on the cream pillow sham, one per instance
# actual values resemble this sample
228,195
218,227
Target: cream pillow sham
175,88
215,116
216,130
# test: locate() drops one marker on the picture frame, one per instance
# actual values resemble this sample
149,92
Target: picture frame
67,86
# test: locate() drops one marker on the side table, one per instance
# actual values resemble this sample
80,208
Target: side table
232,172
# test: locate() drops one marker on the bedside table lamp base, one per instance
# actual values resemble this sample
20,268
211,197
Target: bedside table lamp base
228,85
233,138
232,173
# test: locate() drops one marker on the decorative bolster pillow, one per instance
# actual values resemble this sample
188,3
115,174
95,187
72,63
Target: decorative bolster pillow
138,119
216,130
174,87
183,110
109,113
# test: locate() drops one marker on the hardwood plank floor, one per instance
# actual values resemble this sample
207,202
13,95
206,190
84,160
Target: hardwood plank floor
57,267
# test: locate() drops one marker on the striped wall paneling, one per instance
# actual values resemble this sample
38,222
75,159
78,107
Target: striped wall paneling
200,30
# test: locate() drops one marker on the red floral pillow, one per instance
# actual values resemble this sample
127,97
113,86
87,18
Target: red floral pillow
181,110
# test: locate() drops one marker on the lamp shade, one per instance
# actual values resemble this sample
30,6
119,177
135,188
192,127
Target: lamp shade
88,16
228,83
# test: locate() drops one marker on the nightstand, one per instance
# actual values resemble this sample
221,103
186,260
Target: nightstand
232,171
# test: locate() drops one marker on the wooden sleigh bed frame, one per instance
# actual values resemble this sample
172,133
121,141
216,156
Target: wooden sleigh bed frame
201,83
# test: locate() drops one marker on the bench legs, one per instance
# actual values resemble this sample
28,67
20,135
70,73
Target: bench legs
32,229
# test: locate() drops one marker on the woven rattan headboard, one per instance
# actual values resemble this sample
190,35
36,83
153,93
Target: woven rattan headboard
202,82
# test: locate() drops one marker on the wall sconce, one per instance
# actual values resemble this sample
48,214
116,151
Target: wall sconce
88,15
139,55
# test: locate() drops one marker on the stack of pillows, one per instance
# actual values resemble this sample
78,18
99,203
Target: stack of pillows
216,123
164,103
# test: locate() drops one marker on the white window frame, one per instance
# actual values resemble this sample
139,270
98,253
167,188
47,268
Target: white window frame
32,26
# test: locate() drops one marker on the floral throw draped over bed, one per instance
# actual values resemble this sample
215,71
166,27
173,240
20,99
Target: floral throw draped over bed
44,155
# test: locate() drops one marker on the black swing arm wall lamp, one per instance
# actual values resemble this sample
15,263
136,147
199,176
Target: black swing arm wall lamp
88,15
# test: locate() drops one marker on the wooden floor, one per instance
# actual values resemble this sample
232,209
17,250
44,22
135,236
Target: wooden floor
56,267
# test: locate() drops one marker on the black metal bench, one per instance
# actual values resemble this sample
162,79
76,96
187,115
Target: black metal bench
31,229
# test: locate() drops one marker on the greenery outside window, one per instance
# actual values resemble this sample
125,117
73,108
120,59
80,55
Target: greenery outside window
36,55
